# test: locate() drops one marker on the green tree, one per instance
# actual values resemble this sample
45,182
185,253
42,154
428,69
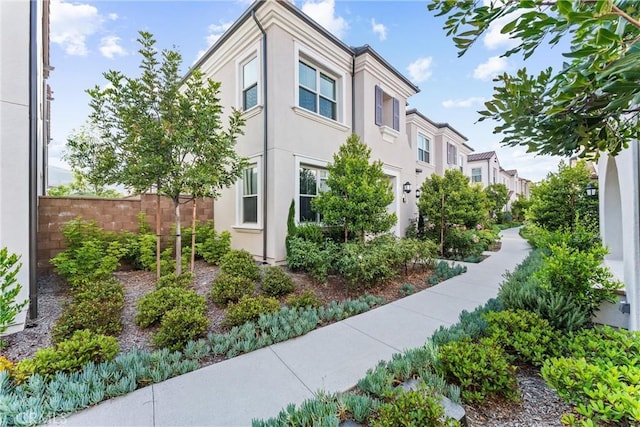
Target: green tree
559,199
591,104
359,192
81,187
497,196
451,200
519,207
161,131
9,289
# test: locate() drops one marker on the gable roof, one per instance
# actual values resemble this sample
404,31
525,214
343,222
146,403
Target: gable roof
511,172
354,51
481,156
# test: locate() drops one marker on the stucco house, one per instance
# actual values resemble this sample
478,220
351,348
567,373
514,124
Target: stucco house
619,196
24,133
303,92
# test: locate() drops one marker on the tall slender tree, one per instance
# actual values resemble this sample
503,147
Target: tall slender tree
160,131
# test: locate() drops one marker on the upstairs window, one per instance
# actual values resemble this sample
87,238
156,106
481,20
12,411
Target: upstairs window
476,175
461,163
495,175
387,110
250,84
452,154
313,181
423,149
317,91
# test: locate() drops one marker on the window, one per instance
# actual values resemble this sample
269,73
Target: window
387,110
461,163
452,154
317,91
495,175
476,175
250,195
423,149
313,181
250,84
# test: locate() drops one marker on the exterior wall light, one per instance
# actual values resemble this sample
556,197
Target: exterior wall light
406,188
591,190
418,193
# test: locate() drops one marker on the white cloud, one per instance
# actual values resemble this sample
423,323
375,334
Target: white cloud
420,69
324,13
110,47
215,31
379,29
463,103
494,66
493,38
71,24
113,16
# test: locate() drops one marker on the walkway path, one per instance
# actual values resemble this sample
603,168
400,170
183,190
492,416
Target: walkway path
332,358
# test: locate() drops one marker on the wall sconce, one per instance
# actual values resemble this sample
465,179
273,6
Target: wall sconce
418,193
591,190
406,189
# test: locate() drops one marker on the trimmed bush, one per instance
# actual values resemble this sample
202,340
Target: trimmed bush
481,369
179,326
153,306
97,309
228,288
304,255
173,280
444,271
276,281
250,309
240,263
68,356
307,298
413,408
210,245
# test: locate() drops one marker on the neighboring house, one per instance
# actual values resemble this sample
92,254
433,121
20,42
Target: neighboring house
24,133
619,193
304,92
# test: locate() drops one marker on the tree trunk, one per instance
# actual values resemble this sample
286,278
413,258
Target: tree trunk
193,236
176,205
158,231
346,234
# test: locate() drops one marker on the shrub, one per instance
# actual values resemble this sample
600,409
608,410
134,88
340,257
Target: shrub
240,263
407,289
153,306
228,288
521,333
310,232
276,282
9,289
173,280
367,264
141,250
307,298
5,364
250,308
413,408
570,271
481,369
462,243
600,376
68,356
444,271
310,257
98,309
179,326
210,245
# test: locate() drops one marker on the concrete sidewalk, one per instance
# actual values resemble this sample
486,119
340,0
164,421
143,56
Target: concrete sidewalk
332,358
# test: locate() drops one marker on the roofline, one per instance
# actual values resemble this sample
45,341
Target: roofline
439,125
313,24
357,51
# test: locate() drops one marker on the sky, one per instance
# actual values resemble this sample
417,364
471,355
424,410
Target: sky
89,38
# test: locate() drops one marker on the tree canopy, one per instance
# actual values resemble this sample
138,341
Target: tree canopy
590,105
359,192
497,196
161,131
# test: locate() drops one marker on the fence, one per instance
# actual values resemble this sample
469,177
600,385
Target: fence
110,214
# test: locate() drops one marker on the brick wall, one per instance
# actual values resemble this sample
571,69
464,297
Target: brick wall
110,214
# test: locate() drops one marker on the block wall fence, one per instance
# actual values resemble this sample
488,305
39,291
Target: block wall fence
110,214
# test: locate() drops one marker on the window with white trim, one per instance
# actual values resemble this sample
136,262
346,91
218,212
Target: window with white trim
424,149
495,175
476,175
387,109
317,91
249,208
461,163
313,181
452,154
250,83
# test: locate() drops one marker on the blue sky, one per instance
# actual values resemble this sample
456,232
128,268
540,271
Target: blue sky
91,37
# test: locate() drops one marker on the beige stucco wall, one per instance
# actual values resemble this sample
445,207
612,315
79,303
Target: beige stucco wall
14,137
619,184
